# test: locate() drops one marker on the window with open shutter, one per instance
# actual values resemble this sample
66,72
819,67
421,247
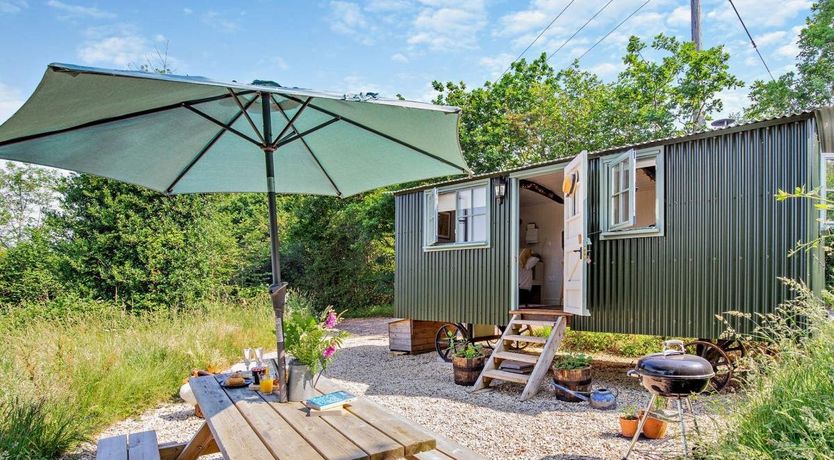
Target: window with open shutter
456,217
632,193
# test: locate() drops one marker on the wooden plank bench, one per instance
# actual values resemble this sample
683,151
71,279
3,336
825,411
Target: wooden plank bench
135,446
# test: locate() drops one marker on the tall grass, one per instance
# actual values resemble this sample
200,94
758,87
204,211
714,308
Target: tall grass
787,406
629,345
68,373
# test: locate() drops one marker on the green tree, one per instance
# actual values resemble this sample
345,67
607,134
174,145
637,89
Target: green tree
29,270
812,83
130,244
26,192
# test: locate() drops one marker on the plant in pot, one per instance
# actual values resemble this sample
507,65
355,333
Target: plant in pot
573,372
468,362
312,341
655,428
629,421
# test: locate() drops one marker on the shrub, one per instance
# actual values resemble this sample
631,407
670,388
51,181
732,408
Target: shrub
35,429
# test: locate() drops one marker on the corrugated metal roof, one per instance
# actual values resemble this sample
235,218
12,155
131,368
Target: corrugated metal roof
666,140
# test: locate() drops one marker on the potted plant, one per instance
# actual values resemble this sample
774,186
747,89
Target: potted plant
629,421
572,371
655,428
468,362
312,341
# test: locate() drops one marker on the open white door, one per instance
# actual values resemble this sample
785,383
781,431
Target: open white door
576,235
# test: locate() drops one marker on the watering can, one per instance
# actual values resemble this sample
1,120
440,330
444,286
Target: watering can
600,399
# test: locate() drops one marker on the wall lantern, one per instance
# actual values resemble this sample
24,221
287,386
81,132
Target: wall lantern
500,189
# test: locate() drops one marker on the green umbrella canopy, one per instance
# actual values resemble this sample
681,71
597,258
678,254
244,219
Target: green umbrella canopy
178,134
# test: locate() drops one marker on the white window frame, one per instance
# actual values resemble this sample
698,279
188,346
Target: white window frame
825,222
626,229
430,201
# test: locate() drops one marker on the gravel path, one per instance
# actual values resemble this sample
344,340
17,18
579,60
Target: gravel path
494,423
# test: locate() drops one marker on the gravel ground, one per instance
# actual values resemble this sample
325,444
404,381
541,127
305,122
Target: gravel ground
493,423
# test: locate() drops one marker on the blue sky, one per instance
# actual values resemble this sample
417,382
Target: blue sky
387,46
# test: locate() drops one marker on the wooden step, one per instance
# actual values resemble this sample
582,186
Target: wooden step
536,322
539,312
521,357
524,338
506,376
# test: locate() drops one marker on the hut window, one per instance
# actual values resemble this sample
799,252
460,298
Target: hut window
457,217
632,190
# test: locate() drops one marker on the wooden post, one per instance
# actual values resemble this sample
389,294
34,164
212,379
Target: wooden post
695,13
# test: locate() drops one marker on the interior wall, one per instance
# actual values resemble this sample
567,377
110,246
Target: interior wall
646,200
548,217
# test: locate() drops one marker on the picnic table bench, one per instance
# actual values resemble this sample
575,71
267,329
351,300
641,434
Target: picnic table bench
245,424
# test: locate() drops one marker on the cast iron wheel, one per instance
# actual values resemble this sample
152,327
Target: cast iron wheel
733,347
445,335
722,365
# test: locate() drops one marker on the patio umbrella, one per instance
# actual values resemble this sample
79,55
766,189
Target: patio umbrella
179,134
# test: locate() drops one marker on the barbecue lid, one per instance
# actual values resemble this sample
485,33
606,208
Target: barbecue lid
675,363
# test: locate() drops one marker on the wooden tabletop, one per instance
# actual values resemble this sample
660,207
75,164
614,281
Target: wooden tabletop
246,424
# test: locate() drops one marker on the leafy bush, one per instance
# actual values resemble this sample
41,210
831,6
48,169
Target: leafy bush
572,361
470,351
631,345
311,340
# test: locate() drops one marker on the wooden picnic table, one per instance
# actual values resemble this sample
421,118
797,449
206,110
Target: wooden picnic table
245,424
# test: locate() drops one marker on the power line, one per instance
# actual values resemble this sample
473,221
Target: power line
580,29
537,38
613,30
751,40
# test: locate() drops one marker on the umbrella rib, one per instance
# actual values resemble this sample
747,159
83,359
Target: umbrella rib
227,127
310,151
208,146
246,113
290,122
295,137
381,134
116,118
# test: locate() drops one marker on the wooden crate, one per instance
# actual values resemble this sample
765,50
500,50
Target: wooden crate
412,336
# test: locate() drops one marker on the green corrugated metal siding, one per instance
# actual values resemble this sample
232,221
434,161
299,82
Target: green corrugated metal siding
725,244
726,238
466,285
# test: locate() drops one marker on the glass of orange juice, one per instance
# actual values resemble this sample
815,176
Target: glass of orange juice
266,382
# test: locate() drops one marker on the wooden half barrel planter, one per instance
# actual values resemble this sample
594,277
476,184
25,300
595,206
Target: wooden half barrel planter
577,380
467,370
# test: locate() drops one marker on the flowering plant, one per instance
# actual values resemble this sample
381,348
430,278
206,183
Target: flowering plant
312,340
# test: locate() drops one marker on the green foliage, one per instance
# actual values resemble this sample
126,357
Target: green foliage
95,364
372,311
632,345
572,361
787,405
311,340
812,83
470,351
533,113
26,192
29,270
130,244
34,429
629,412
340,252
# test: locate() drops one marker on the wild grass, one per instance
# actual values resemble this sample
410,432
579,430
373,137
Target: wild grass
787,406
67,375
373,311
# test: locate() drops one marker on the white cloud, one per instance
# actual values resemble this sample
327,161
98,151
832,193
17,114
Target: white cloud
606,70
387,5
445,25
347,18
281,63
734,102
12,6
770,37
496,65
680,16
791,49
759,13
219,21
10,101
117,50
71,11
399,57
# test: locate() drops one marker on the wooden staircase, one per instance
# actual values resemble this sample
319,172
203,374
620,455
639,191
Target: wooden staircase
555,319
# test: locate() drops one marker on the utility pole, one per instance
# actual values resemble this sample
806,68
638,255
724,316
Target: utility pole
695,11
695,14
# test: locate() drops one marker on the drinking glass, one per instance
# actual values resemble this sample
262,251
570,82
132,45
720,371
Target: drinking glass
259,353
247,357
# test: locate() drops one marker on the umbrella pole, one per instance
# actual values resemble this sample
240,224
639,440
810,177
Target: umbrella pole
278,290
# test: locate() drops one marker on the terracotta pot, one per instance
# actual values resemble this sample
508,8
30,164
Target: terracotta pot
654,428
578,380
628,426
467,370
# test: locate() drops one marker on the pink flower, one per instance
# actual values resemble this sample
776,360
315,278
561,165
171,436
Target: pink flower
328,352
330,323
